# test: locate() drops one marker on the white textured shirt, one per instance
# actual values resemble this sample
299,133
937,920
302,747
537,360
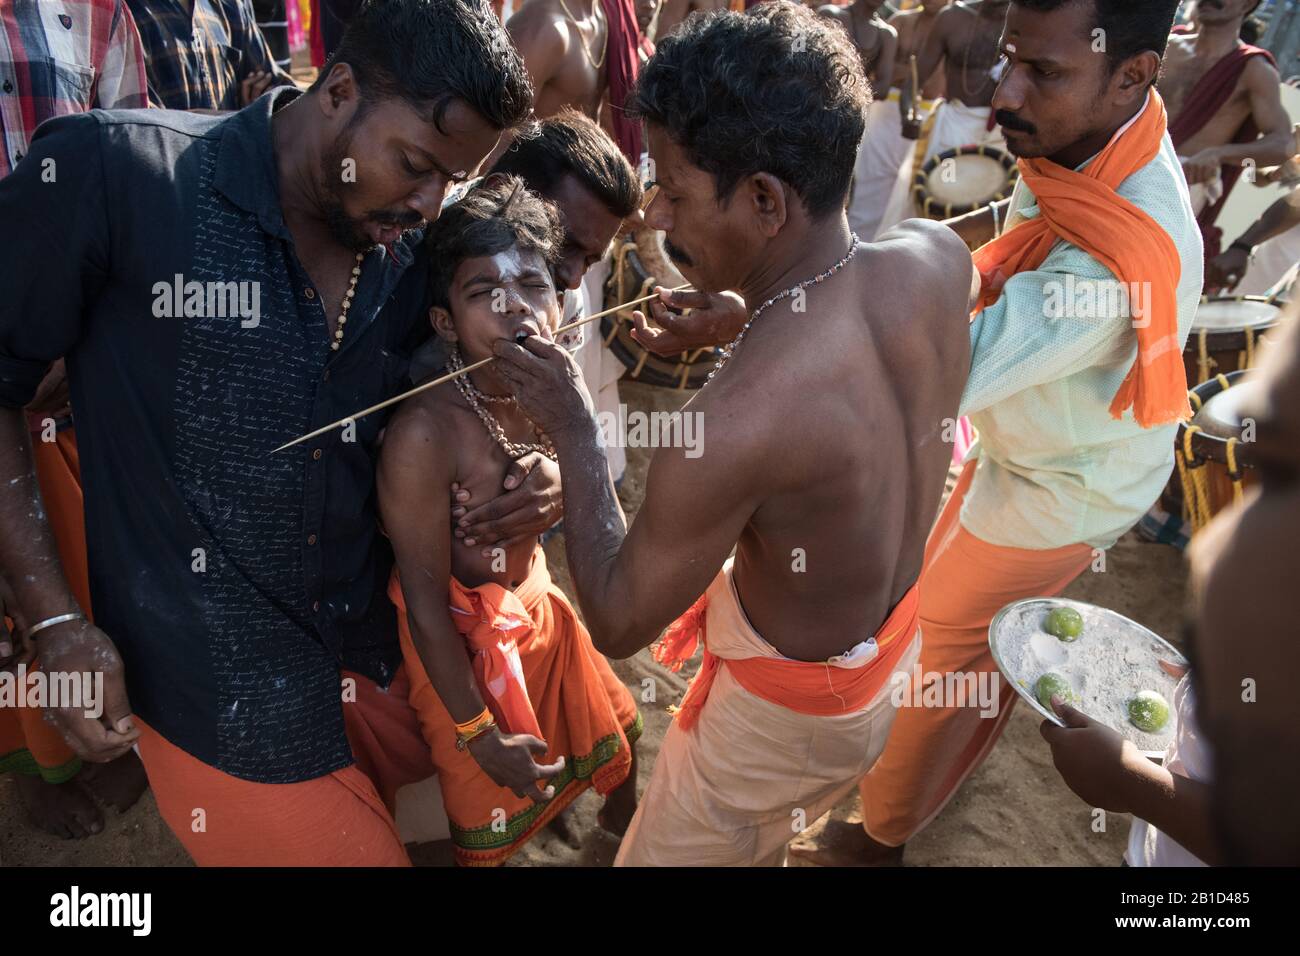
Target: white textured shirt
1046,360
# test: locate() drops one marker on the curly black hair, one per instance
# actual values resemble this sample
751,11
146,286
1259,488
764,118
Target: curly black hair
777,89
497,214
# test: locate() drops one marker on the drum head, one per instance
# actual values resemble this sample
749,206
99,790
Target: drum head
962,180
968,180
1235,315
1221,415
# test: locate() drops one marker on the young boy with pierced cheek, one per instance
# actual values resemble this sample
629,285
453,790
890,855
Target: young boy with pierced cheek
520,712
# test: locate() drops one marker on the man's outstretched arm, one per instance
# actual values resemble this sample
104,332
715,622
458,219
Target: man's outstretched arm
700,494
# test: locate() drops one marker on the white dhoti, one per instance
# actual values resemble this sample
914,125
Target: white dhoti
601,370
955,124
750,775
881,154
1206,193
1274,266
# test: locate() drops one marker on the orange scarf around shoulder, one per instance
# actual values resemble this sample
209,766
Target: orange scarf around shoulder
1084,209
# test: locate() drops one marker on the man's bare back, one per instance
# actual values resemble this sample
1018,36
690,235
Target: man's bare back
966,37
563,45
913,26
849,407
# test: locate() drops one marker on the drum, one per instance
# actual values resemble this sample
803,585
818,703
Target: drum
640,264
1213,450
1225,333
962,180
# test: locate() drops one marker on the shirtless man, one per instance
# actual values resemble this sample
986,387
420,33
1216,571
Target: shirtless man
964,40
823,461
563,46
1247,550
875,39
913,26
1225,109
884,150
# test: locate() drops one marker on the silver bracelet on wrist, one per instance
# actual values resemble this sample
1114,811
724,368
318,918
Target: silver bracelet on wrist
57,619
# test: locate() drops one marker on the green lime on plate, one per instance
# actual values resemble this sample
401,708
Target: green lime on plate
1065,624
1050,685
1148,711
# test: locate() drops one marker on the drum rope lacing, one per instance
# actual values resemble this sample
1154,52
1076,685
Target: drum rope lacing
688,358
1198,505
729,349
1245,359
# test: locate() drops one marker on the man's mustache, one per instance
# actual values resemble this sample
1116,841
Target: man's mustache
396,220
677,255
1008,120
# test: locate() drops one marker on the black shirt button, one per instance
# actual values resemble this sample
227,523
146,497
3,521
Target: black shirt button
311,539
9,87
309,293
316,455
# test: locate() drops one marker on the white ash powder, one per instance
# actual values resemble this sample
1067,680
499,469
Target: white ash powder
1106,666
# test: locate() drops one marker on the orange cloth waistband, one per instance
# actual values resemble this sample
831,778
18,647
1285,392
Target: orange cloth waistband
492,620
815,688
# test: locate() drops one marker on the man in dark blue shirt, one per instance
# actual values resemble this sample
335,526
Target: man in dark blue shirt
219,286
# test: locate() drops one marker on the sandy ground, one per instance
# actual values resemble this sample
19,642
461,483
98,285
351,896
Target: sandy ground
1014,810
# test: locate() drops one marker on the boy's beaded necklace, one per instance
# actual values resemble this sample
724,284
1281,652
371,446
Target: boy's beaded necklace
475,399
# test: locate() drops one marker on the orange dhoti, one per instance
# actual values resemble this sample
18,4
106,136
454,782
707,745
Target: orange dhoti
964,583
28,744
334,820
583,711
341,819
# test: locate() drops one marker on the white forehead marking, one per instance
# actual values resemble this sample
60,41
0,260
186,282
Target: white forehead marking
509,264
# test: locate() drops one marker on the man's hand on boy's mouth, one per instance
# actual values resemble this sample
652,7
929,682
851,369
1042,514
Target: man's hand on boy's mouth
546,383
531,503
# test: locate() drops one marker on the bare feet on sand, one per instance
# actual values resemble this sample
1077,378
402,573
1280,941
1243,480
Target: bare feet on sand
562,826
65,810
841,843
118,783
620,806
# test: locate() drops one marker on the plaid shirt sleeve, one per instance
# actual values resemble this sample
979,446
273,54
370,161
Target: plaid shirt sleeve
122,83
